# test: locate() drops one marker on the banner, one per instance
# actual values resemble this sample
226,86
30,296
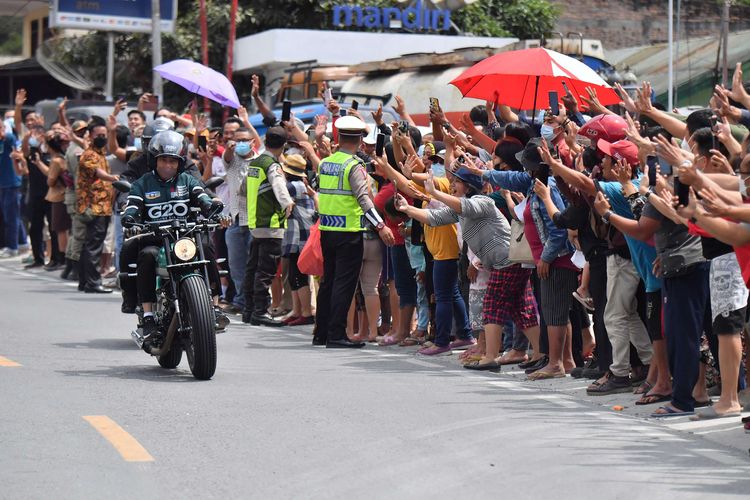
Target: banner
111,15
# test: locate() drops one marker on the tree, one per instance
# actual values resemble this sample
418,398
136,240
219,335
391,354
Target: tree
524,19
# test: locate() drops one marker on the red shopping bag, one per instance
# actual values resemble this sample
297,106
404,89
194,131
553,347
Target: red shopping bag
311,257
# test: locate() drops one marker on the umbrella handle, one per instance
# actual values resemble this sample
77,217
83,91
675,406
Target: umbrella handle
533,111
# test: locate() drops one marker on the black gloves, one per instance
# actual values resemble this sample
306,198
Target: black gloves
128,221
216,208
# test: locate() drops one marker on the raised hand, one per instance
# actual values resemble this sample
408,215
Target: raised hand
120,106
321,125
720,163
377,115
627,102
399,106
20,97
601,204
255,89
623,172
644,98
242,113
541,190
429,184
592,101
400,203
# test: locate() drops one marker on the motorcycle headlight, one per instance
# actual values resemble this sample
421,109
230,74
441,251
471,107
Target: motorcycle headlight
184,249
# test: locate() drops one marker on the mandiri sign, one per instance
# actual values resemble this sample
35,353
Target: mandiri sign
415,17
111,15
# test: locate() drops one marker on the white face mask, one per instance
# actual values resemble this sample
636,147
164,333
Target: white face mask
685,146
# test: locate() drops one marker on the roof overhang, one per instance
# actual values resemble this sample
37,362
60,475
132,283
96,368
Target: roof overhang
278,49
19,8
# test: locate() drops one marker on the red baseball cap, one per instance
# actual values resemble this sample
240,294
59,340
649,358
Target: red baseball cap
604,128
620,150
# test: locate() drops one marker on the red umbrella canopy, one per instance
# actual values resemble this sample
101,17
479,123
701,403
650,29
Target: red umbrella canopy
523,79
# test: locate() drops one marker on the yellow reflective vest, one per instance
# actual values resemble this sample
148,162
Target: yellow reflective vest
338,207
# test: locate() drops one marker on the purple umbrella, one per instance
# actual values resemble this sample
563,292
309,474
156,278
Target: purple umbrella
200,80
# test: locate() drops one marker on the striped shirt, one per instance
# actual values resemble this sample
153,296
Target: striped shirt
485,230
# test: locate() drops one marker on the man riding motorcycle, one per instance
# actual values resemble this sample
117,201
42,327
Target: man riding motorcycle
165,193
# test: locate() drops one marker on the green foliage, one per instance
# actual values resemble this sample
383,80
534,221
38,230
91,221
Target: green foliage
11,41
522,19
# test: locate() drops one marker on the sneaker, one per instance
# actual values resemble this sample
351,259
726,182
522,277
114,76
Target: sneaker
7,253
462,343
612,385
435,351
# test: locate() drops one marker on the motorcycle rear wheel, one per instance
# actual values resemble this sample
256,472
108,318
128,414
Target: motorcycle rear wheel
171,359
198,312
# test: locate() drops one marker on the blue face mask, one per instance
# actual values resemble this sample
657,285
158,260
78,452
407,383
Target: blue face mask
33,142
242,148
137,143
548,132
438,169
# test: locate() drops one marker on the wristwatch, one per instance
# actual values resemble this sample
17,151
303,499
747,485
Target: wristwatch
606,216
379,226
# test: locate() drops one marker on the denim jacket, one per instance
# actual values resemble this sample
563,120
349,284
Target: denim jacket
554,239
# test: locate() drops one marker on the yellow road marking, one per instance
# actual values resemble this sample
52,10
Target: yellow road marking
125,444
8,362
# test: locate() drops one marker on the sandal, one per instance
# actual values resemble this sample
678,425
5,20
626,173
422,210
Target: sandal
540,375
389,340
649,399
411,341
586,302
644,388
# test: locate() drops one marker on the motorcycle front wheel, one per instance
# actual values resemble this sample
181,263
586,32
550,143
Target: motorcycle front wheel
198,312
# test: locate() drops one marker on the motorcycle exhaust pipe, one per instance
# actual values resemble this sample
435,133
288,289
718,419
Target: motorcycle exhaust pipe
158,351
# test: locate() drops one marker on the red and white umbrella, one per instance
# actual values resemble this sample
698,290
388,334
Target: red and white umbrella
522,79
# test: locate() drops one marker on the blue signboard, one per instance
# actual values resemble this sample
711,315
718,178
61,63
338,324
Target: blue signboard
111,15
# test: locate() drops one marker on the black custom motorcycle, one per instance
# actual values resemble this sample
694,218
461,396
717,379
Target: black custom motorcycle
184,312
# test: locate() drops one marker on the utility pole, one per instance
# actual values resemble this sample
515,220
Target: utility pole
109,90
156,48
725,42
670,92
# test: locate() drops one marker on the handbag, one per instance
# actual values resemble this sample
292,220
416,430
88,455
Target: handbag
519,251
310,260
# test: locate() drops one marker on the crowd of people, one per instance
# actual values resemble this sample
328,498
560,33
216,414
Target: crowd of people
610,244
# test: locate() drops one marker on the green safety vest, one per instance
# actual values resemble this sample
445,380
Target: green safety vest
263,209
338,207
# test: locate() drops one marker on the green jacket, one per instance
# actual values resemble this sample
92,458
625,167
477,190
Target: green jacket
152,199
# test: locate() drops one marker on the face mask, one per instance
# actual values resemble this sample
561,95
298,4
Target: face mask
242,148
743,187
137,143
685,146
100,142
548,132
438,169
34,142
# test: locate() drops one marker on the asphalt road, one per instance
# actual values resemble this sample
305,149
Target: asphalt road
85,414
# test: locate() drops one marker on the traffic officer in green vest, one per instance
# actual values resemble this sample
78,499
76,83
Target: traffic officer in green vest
268,206
345,207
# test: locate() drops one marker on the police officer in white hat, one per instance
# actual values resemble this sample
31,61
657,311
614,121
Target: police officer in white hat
345,208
